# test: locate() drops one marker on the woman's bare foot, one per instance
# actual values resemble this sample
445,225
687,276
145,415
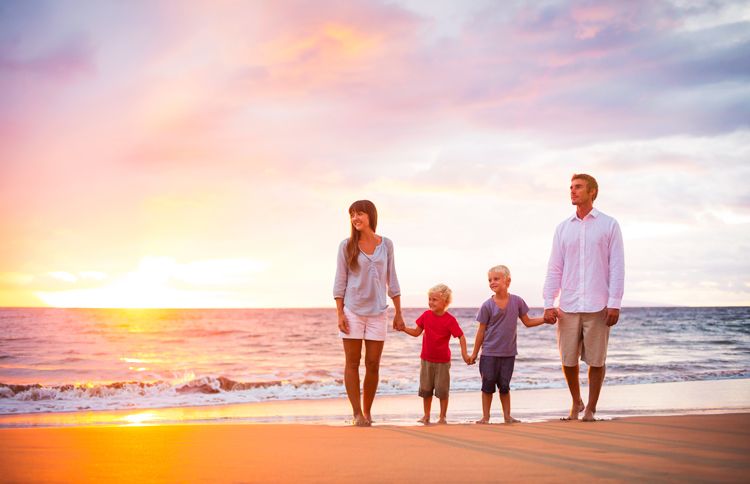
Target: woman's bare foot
511,420
483,421
442,420
424,420
360,421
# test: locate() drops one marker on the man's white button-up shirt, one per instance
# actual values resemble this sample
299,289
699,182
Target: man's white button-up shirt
587,265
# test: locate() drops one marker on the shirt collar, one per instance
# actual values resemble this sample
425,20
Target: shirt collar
594,213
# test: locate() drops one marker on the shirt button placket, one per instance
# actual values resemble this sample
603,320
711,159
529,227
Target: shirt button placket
581,267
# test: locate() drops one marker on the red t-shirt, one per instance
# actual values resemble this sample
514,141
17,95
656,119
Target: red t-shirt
437,334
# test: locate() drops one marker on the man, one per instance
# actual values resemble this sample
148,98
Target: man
587,271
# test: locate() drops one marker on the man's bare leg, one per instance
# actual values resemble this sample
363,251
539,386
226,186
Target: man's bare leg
596,380
571,377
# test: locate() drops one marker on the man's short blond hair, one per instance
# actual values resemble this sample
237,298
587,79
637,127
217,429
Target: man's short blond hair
443,291
500,270
590,183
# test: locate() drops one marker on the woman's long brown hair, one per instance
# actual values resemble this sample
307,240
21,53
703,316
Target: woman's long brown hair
352,247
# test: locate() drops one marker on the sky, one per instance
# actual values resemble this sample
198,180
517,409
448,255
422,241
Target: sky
205,154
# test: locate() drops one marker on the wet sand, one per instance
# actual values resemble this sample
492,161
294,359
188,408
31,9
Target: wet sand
666,448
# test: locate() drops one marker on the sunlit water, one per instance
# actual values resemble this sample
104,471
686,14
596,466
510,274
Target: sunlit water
90,359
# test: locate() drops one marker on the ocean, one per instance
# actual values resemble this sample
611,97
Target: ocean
63,360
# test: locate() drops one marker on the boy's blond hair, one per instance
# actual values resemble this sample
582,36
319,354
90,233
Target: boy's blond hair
501,270
443,291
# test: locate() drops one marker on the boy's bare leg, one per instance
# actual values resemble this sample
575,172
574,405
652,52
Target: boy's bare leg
505,401
427,403
443,410
373,351
486,405
571,377
353,354
596,379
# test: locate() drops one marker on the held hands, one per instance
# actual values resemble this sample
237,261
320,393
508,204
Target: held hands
469,360
398,322
550,316
612,316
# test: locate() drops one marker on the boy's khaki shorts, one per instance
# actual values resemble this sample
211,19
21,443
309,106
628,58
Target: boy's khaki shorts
434,377
584,336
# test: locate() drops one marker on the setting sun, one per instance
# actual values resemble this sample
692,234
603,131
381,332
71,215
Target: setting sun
160,282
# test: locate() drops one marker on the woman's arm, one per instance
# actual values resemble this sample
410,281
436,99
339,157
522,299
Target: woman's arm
343,323
398,319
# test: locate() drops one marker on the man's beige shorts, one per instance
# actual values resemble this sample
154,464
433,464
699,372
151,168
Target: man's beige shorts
584,336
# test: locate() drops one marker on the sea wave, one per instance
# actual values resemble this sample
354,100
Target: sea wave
219,390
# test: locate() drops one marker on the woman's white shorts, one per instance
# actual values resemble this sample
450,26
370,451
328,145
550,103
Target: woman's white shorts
371,328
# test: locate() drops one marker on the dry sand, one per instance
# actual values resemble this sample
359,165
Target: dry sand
704,448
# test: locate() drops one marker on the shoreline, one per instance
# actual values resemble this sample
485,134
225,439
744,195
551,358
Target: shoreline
704,448
536,405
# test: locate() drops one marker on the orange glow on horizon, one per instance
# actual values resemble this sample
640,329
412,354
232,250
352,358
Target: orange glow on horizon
159,282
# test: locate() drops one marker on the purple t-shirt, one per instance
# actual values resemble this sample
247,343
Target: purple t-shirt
500,333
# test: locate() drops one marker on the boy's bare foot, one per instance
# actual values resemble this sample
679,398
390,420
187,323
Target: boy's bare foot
511,420
483,421
442,420
368,418
588,417
424,420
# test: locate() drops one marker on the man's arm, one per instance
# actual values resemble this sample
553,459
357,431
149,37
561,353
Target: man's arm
616,275
553,281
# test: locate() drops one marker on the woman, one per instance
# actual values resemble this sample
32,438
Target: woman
364,269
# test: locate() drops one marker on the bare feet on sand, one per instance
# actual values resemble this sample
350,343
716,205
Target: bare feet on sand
360,421
511,420
424,420
574,411
483,421
589,416
442,420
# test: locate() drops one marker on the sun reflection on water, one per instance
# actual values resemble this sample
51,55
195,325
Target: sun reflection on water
140,419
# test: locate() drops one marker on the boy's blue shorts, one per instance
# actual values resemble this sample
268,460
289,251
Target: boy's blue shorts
496,372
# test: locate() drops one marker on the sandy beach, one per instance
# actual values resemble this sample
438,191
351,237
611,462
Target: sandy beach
697,448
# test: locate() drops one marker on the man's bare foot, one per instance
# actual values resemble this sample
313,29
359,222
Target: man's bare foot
424,420
368,418
483,421
575,410
442,420
511,420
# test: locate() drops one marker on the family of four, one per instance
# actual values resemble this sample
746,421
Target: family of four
585,270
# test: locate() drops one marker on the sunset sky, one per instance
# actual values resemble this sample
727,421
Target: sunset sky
204,154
